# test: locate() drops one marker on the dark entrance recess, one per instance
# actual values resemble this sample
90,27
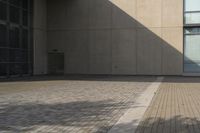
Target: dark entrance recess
15,37
56,63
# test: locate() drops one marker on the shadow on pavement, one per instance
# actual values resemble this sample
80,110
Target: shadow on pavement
175,124
23,117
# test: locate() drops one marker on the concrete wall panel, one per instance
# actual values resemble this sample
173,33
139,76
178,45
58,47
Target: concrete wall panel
100,14
118,36
75,46
68,14
123,13
59,38
172,61
149,52
77,52
172,13
40,52
57,14
100,52
124,52
40,12
149,13
39,37
77,14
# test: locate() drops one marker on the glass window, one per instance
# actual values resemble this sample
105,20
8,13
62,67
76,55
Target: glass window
3,11
24,56
31,5
192,30
192,18
25,4
3,35
14,14
192,54
15,2
14,37
3,0
25,68
16,55
25,39
192,5
25,18
192,68
192,48
12,55
15,68
3,69
3,55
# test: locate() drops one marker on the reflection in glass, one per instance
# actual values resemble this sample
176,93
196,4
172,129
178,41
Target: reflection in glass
25,18
3,55
15,2
3,69
192,36
192,5
192,53
14,37
25,68
14,14
15,68
3,11
192,30
25,39
3,35
25,4
192,18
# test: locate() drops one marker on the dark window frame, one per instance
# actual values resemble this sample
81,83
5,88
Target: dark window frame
22,62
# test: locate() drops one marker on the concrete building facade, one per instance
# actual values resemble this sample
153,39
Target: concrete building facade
115,37
131,37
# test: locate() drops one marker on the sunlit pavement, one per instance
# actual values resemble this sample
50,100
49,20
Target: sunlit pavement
175,108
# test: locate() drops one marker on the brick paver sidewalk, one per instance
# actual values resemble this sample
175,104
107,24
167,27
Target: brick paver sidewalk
67,105
175,108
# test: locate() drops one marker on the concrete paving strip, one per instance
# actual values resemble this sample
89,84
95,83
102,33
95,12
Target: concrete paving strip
130,120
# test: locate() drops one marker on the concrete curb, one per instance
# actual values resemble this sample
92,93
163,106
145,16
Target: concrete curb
129,122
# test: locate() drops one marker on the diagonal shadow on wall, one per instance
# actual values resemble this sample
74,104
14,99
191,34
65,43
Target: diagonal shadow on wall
115,42
150,55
